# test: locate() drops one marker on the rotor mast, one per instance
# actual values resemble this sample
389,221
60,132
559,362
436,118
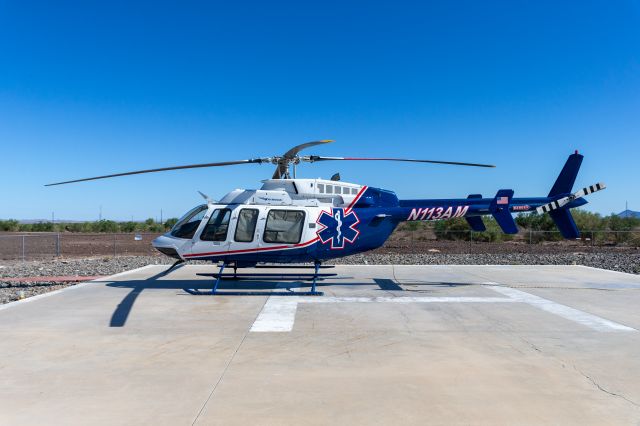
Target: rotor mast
283,164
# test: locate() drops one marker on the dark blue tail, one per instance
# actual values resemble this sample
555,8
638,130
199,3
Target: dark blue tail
563,186
567,177
565,223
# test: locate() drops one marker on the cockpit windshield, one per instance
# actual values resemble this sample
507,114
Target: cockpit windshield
188,224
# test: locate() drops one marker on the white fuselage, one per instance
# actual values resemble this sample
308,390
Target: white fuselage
309,196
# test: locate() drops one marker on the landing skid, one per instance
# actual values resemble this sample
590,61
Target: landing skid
219,277
195,292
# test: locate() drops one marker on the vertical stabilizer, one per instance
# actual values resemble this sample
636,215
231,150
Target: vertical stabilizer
567,177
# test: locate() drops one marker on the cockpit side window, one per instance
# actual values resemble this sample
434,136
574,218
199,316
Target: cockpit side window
216,229
186,227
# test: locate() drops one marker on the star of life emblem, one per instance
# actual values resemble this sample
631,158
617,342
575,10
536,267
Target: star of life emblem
338,227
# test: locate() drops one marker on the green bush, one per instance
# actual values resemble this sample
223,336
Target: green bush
170,223
459,229
10,225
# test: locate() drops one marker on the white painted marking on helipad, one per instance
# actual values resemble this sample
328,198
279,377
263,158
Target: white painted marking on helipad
279,312
593,268
404,299
593,321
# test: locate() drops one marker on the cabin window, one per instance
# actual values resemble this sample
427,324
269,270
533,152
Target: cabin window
246,226
338,190
187,225
354,191
321,188
329,189
284,226
216,229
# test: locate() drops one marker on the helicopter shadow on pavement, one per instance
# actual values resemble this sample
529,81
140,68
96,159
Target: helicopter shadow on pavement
263,285
235,287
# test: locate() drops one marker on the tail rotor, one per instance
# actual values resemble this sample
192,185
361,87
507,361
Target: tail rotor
554,205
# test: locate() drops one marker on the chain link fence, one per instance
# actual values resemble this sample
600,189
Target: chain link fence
26,246
42,245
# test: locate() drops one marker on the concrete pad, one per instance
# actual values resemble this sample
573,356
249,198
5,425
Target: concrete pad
386,344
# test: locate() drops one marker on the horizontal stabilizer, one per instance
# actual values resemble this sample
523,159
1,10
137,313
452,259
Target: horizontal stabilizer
499,208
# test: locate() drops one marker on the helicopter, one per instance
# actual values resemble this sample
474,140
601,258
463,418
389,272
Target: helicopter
299,220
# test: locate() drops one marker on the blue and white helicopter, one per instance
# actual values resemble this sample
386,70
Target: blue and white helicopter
293,220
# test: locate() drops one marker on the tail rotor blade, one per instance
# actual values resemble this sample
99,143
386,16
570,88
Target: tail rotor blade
590,190
554,205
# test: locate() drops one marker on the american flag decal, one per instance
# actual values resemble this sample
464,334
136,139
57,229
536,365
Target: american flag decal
503,200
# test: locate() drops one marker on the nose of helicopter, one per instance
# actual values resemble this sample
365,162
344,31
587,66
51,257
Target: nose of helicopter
167,246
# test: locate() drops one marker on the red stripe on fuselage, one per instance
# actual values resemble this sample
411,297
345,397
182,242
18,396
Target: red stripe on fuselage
306,243
355,200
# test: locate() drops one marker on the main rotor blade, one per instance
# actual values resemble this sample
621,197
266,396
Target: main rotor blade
296,149
164,169
313,158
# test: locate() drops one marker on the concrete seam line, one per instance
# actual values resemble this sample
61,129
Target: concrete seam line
226,367
71,287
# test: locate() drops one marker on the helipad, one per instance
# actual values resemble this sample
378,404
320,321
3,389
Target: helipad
384,345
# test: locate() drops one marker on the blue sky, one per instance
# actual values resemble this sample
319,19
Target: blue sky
92,88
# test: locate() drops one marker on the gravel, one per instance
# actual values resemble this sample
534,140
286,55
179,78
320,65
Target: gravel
623,261
10,291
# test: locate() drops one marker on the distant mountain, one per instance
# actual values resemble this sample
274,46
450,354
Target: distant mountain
32,221
629,213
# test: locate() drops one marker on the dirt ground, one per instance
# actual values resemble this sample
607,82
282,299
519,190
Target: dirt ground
70,245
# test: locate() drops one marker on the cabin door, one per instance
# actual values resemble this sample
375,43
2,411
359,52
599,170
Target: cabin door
246,229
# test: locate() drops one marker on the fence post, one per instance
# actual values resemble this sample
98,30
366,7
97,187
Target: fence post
23,237
530,236
58,244
593,243
114,245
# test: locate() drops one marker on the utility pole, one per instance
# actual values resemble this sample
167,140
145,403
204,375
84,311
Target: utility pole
100,216
160,215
